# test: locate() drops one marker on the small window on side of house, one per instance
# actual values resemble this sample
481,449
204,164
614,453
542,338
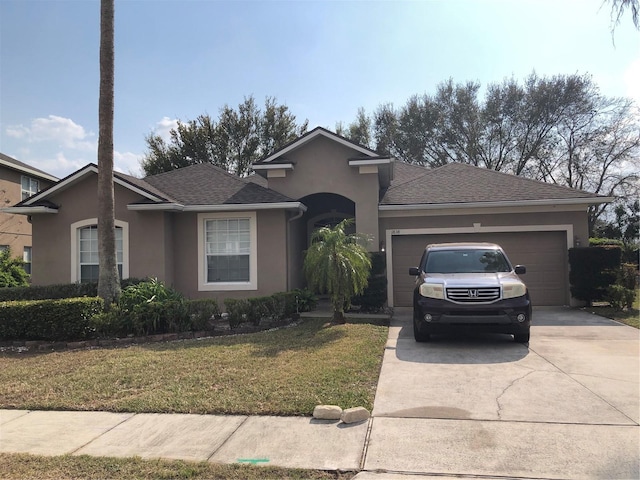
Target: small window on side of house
26,257
30,186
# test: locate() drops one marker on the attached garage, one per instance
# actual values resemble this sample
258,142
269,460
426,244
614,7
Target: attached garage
544,253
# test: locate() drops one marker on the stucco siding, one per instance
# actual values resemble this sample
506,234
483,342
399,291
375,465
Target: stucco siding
52,261
322,166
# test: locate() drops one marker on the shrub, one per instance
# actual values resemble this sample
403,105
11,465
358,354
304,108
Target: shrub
593,269
238,310
374,297
151,307
620,297
57,320
303,300
12,272
201,311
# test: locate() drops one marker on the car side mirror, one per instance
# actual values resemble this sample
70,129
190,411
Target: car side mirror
520,269
414,271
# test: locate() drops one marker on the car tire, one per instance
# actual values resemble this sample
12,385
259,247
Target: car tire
521,337
417,333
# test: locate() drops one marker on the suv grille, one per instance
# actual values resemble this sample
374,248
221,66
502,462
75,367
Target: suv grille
473,295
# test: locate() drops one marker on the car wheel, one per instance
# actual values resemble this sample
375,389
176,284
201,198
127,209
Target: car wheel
521,337
419,335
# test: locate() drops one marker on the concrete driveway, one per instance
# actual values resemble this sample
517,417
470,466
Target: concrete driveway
566,406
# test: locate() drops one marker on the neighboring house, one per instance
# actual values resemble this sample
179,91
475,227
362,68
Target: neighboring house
211,234
18,181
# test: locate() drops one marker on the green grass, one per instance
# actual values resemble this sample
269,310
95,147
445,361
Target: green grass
14,466
282,372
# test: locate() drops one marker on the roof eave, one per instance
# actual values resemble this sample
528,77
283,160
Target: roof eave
228,207
273,166
29,171
510,203
29,210
165,207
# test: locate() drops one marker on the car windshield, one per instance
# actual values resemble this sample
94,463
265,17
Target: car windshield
466,261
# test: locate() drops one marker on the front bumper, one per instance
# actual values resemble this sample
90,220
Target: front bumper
498,317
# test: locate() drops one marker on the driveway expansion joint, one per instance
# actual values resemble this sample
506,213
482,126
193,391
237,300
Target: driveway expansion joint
246,417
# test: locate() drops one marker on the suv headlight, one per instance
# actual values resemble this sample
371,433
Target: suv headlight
513,290
432,290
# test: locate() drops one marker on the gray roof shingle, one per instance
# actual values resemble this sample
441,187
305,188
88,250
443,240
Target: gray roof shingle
206,184
462,183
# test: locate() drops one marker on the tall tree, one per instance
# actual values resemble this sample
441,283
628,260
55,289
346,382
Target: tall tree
234,141
108,279
337,263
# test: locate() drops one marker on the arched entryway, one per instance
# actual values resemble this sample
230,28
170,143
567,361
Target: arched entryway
326,210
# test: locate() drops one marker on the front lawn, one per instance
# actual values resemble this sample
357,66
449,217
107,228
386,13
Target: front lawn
281,372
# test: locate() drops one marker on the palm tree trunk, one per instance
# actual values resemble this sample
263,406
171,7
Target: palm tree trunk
108,280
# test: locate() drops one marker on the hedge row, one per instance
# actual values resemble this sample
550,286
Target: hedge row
274,308
57,320
52,292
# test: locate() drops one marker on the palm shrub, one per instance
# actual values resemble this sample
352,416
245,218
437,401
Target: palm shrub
338,264
152,307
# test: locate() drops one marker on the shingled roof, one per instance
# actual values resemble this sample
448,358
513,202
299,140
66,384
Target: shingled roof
14,164
462,183
206,184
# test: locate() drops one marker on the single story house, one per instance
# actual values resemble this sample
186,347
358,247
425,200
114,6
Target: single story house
211,234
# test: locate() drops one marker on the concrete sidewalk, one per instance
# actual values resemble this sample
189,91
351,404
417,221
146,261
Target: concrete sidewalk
294,442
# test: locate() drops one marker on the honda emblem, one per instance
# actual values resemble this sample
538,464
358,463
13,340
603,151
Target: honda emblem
473,293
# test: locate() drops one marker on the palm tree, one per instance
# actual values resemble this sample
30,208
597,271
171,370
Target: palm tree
338,264
108,280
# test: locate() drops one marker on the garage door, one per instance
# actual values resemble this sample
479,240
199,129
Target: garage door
543,253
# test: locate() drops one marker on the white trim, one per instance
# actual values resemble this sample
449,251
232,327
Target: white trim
285,166
475,228
29,210
171,207
252,284
374,161
236,207
29,171
310,136
508,203
75,264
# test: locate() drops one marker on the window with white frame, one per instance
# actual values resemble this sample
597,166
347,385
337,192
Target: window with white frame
30,186
26,257
84,250
228,251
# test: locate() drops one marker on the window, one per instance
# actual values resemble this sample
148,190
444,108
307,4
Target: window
84,250
30,186
227,251
89,265
26,257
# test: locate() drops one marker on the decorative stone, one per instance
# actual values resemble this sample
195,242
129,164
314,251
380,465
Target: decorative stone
327,412
354,415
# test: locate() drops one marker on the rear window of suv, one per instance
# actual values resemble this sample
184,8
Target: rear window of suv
466,261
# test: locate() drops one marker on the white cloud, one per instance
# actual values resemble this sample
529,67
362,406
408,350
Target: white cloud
128,163
164,127
63,132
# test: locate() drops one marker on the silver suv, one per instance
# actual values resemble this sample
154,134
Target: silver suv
471,286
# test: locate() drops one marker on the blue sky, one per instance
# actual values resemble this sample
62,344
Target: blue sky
324,59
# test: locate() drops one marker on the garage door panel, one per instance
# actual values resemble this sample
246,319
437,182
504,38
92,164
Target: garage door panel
543,253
